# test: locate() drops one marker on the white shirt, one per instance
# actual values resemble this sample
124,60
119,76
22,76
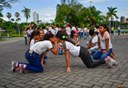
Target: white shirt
32,42
41,46
95,41
102,40
45,31
73,28
68,30
25,33
30,31
74,50
56,30
53,31
85,30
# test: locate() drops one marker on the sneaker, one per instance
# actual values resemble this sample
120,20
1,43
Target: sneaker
21,68
108,61
13,68
114,62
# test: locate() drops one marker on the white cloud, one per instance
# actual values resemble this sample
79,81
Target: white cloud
91,1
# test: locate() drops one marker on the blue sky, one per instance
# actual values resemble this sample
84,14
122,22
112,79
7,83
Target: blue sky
47,8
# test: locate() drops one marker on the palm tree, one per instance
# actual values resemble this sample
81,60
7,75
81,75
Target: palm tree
9,15
17,15
26,12
17,19
127,21
1,15
111,14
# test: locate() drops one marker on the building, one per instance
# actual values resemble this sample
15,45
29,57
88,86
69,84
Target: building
122,19
35,17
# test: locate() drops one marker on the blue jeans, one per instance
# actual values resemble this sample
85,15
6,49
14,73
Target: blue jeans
60,51
26,40
94,51
101,55
34,60
84,35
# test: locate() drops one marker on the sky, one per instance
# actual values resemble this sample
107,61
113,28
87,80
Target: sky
47,8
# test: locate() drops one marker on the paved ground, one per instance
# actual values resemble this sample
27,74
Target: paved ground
54,75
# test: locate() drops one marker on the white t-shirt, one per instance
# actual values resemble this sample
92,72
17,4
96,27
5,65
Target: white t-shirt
85,30
73,28
32,42
74,50
41,46
94,41
53,31
68,30
25,33
29,31
102,40
56,30
45,31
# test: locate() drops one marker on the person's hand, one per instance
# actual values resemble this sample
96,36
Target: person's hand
54,41
68,70
99,50
104,51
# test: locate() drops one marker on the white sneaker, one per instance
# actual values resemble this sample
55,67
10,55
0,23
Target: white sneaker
114,62
21,68
13,68
108,61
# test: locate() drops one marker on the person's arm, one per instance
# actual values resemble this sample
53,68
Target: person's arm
78,43
42,57
67,58
107,37
55,49
107,44
99,48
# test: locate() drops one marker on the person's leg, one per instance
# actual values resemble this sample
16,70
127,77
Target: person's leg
34,62
105,54
97,55
94,51
87,60
84,35
25,40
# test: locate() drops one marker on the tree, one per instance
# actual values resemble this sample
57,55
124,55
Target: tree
6,3
26,12
9,15
17,19
111,14
127,22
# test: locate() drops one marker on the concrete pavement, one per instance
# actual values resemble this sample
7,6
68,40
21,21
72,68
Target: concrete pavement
54,75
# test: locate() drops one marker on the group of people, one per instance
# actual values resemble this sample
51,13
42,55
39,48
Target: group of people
98,50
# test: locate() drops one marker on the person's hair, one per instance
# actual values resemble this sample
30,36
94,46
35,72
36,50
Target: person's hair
35,32
48,35
72,33
61,34
91,32
105,27
97,27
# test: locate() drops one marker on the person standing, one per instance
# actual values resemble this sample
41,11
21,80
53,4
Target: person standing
25,36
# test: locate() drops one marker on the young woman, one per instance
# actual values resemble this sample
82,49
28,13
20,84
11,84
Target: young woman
35,54
74,37
104,46
35,36
93,42
76,51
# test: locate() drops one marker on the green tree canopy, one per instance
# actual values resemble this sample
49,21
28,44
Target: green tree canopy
9,15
